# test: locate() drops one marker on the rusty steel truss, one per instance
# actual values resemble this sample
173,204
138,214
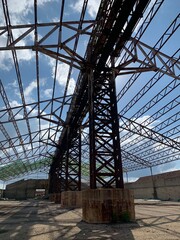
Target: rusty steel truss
123,113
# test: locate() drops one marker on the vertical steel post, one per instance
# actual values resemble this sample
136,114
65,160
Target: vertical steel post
71,166
54,178
153,185
105,152
91,131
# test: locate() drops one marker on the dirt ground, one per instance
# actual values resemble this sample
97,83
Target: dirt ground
43,220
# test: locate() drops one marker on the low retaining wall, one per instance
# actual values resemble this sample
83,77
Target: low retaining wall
166,186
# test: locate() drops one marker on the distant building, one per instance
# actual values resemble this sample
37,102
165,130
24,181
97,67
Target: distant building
165,186
25,189
1,193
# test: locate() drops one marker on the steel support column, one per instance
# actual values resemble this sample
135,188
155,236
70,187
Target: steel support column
70,163
73,161
105,153
54,178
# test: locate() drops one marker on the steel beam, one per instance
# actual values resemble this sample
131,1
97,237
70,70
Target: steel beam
146,132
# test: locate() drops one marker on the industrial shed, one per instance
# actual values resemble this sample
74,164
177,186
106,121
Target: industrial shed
89,91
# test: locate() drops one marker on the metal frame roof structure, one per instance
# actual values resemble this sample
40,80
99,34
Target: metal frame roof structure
147,83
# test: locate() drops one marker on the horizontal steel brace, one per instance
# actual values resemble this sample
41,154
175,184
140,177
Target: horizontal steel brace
141,130
153,59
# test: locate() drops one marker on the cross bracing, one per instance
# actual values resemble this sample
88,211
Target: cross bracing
44,101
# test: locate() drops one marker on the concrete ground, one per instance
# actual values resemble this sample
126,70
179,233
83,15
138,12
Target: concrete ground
43,220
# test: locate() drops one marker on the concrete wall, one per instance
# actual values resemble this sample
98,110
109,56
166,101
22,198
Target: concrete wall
1,193
166,186
24,189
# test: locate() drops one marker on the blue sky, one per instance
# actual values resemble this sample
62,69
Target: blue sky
21,12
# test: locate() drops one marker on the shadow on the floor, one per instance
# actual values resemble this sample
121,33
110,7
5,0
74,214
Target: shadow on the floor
161,222
39,220
106,231
20,220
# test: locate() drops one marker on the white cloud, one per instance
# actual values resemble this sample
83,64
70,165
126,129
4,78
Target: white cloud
6,59
34,112
50,132
24,6
168,167
55,19
62,74
143,121
14,103
130,179
18,11
48,92
29,89
92,7
71,86
25,55
13,84
5,56
147,121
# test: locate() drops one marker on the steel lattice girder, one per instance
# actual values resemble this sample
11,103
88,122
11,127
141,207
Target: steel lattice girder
82,90
69,54
19,168
137,128
70,165
73,168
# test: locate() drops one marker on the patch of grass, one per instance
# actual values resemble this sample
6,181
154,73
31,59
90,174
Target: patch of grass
3,231
124,217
